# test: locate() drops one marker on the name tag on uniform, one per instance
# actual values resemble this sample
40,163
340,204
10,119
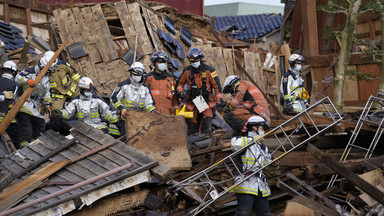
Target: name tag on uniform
200,103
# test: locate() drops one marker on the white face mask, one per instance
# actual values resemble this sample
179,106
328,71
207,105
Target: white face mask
162,67
88,94
136,78
298,68
261,133
195,64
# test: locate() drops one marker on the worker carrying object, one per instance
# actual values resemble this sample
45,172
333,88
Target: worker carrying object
8,92
202,93
31,115
252,194
162,84
88,108
247,101
64,86
292,87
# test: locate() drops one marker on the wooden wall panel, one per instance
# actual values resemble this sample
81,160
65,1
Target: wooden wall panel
366,88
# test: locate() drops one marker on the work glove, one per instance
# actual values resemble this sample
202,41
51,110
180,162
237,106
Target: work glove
8,95
182,94
48,110
57,113
226,109
289,108
124,113
31,83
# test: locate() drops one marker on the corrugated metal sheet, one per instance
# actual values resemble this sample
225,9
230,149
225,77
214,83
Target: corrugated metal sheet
191,6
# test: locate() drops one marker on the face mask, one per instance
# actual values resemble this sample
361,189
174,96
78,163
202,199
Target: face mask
136,78
88,94
298,68
162,67
195,64
261,133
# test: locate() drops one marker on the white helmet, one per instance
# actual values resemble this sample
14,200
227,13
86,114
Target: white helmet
257,120
10,65
137,68
229,82
45,59
85,83
295,59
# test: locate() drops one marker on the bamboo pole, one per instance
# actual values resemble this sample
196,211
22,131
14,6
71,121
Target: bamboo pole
15,109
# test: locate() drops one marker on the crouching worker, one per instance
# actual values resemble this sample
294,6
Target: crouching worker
88,108
247,101
132,94
252,194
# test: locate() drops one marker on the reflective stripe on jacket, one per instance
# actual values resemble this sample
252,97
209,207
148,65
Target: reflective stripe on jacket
248,96
91,111
254,158
135,96
290,88
163,91
40,95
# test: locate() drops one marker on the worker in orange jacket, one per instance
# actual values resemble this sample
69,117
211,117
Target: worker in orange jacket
162,84
247,101
204,85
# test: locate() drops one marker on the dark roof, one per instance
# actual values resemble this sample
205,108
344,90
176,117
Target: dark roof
86,138
247,26
11,35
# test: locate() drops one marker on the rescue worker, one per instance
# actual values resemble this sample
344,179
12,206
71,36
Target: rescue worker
247,101
133,94
292,87
31,115
88,108
162,84
202,82
8,90
64,86
252,193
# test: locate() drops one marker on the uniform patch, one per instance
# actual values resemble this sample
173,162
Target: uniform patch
285,79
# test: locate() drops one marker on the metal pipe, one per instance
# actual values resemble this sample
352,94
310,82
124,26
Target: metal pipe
65,190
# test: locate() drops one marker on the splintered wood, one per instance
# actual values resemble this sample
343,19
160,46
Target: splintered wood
164,137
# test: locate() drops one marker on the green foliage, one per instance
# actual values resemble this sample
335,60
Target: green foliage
359,76
334,7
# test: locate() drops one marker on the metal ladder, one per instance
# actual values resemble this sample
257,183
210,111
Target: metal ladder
285,130
364,119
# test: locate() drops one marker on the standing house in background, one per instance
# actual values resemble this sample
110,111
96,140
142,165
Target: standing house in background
304,30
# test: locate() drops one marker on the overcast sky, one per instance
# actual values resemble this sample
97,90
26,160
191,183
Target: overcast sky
267,2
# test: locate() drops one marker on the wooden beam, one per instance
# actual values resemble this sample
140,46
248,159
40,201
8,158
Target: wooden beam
326,60
314,192
28,21
353,165
348,174
311,43
6,13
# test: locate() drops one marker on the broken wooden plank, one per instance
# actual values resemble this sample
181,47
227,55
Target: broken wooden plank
327,201
126,22
346,173
163,137
322,169
144,41
303,206
104,33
